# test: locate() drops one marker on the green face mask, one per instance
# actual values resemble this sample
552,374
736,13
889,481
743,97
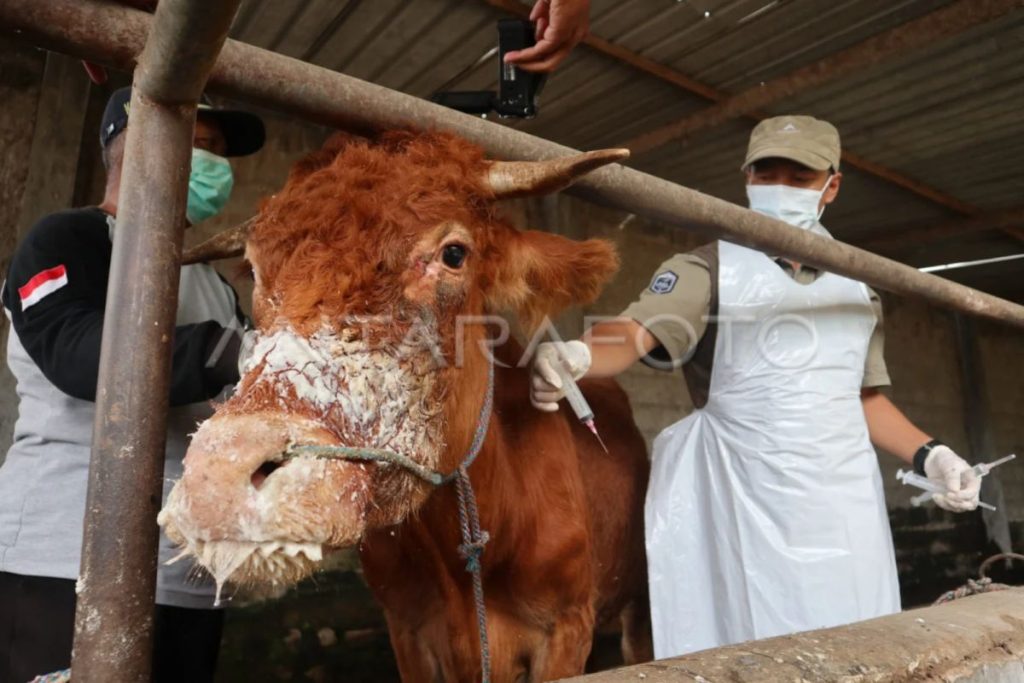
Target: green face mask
209,185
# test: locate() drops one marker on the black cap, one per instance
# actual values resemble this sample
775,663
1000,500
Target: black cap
115,116
243,132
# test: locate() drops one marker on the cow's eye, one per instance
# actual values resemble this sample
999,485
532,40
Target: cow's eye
454,255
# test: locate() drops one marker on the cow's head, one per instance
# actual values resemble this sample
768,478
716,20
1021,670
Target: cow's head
372,267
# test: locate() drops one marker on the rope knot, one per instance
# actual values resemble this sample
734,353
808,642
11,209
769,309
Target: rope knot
979,586
972,587
472,551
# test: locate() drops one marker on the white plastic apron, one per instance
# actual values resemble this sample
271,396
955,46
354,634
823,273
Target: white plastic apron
765,513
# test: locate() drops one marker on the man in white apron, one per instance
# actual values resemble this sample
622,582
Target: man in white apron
765,513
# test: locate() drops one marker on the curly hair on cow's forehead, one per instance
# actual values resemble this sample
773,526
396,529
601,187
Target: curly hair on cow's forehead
396,183
397,166
367,202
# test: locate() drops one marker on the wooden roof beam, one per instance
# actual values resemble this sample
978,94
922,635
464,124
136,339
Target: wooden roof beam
938,25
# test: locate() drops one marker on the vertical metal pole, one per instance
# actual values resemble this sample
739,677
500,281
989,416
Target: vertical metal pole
113,625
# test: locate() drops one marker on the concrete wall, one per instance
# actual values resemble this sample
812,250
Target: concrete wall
1002,352
21,74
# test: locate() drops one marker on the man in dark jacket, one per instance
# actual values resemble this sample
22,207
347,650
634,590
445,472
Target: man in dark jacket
54,295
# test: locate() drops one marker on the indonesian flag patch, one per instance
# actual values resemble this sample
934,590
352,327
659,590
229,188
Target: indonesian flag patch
42,285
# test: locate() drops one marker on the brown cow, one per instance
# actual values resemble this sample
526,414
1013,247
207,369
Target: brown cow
373,267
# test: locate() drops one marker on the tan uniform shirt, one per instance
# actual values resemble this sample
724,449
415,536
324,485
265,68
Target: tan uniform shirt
678,319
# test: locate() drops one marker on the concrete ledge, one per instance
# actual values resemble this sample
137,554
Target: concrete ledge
975,639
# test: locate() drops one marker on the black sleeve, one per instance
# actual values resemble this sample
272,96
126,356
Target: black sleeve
66,258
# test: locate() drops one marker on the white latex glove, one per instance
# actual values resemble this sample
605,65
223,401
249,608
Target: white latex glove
946,468
545,383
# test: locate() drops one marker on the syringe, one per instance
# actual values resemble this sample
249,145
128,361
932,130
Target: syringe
919,500
931,488
578,404
983,468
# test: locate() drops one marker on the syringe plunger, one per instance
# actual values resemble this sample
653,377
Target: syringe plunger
575,398
579,404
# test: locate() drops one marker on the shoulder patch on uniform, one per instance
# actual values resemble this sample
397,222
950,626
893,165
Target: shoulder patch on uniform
42,285
664,282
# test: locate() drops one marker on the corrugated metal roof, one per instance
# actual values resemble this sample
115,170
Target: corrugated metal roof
947,115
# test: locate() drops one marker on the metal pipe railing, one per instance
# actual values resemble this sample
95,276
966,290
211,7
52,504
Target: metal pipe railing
114,618
113,35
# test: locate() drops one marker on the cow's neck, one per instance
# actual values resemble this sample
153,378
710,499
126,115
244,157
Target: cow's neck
491,473
464,410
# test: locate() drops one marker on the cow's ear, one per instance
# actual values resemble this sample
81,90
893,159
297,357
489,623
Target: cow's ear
537,274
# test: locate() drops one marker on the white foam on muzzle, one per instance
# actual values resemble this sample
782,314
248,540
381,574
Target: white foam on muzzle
377,397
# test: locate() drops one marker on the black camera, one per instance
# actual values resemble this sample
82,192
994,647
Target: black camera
517,89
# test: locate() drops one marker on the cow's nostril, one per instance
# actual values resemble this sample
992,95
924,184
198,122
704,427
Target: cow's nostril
264,471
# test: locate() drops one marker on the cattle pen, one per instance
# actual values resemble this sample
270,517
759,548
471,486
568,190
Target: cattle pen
182,50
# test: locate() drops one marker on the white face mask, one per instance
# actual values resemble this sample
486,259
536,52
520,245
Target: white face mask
794,205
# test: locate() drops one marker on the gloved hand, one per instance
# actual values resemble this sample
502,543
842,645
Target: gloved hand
545,383
946,468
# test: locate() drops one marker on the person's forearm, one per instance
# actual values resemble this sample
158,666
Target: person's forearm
889,428
616,345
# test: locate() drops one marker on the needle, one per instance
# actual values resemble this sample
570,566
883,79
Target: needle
579,404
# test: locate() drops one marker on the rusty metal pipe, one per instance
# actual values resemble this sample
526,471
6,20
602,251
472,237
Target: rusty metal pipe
114,618
178,58
113,35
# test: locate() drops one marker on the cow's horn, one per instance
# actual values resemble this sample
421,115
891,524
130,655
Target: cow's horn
226,244
524,178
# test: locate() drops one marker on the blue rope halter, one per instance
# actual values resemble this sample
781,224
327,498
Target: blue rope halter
473,537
